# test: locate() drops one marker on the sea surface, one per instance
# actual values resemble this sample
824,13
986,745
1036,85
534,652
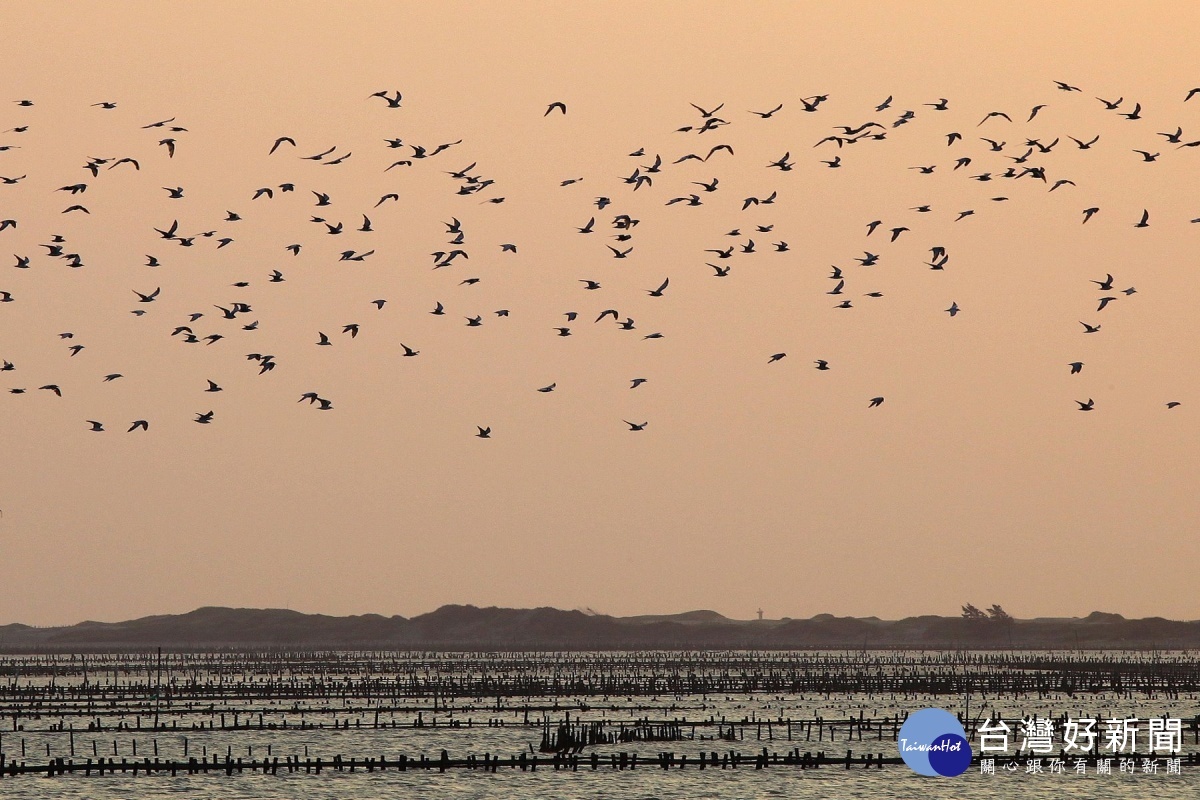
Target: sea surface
364,705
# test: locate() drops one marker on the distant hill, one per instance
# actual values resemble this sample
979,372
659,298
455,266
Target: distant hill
471,628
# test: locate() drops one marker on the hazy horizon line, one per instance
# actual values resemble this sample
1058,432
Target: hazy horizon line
587,611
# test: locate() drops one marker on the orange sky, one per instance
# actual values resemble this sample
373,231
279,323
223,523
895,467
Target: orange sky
754,484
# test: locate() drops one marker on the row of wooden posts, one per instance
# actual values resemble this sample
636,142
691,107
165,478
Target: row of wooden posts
486,762
599,685
571,735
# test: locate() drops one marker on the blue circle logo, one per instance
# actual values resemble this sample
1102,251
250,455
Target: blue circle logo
932,742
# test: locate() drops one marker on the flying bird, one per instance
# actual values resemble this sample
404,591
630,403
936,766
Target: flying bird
279,141
992,114
768,114
392,102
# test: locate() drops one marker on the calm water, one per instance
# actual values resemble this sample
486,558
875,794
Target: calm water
46,710
685,785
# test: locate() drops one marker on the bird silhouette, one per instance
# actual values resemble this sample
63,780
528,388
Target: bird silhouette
281,140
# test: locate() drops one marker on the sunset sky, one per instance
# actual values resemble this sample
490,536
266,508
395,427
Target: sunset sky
754,484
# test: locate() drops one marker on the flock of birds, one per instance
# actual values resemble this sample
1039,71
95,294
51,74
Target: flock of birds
1009,156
